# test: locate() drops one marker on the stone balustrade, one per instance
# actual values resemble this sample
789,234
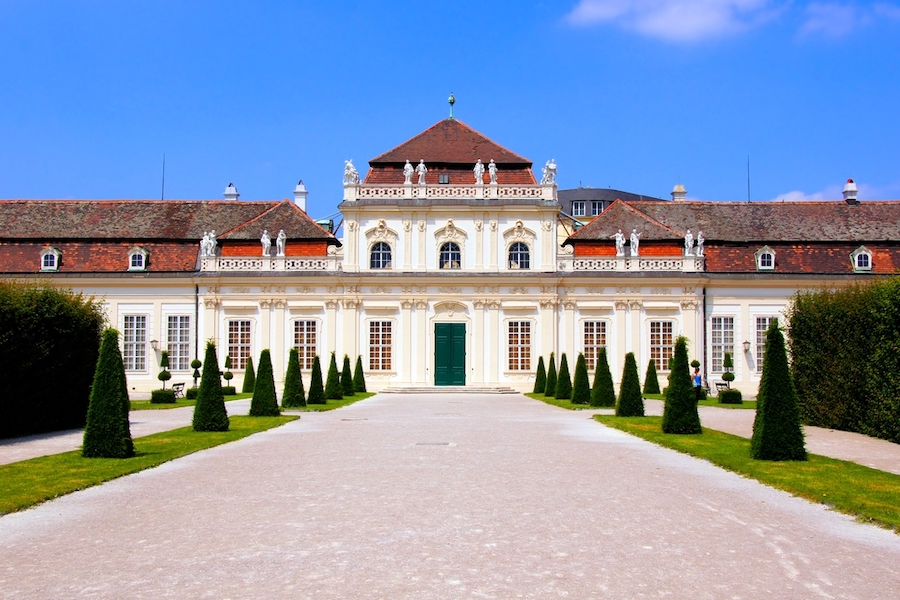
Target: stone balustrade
630,264
488,191
268,264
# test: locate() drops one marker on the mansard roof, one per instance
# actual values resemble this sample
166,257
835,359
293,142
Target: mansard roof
46,220
825,221
450,148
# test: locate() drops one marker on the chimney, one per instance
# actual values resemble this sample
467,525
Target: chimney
850,192
231,192
300,194
679,194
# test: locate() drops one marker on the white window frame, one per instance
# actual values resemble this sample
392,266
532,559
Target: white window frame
236,345
594,337
661,342
766,321
306,341
519,254
380,344
518,341
135,253
453,265
46,254
382,264
596,207
178,342
578,208
134,342
861,253
721,340
760,255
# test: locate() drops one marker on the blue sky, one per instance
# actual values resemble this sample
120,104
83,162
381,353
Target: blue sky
633,94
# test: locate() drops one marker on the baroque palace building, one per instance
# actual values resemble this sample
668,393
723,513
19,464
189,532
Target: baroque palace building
456,267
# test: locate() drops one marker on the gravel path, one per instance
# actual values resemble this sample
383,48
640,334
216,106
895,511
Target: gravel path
441,497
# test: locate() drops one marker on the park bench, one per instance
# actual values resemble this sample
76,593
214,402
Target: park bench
178,388
721,386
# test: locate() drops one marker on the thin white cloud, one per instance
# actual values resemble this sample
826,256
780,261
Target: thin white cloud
674,20
838,20
835,192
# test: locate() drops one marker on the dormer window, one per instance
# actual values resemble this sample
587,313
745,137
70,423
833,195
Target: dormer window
50,259
765,259
444,178
137,259
578,208
861,259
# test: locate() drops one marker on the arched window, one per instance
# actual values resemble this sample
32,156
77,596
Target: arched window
50,258
519,256
380,258
137,259
765,259
450,256
862,259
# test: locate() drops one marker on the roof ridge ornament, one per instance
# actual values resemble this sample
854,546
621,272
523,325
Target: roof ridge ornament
452,101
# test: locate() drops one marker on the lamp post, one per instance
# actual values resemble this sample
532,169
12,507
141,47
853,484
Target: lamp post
746,347
155,345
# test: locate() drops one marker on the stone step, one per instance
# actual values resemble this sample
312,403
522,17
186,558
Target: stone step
449,389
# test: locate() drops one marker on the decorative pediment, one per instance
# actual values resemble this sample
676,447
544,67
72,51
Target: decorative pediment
450,233
381,233
519,233
450,308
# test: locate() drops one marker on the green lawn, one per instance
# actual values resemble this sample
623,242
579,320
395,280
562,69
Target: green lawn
751,404
567,404
179,403
33,481
868,494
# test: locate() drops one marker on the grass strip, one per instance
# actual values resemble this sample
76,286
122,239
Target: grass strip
868,494
567,404
179,403
751,404
37,480
333,404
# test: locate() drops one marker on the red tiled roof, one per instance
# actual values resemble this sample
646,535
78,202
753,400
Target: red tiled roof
97,257
394,176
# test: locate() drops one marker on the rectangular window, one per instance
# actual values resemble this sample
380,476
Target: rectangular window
762,326
134,351
594,339
380,340
596,207
239,343
661,344
306,342
178,342
519,345
721,341
578,209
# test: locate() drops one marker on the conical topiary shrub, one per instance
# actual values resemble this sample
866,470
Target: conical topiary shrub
651,382
209,411
563,380
581,388
264,402
680,412
728,365
777,434
550,390
333,390
293,395
164,375
603,392
630,403
540,378
249,377
108,433
316,391
347,378
359,378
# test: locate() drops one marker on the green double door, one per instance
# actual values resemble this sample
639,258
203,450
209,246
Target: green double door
449,354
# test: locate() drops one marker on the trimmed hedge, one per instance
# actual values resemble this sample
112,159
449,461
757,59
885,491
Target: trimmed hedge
49,342
209,411
333,389
191,393
651,381
293,395
550,389
249,377
229,390
540,378
680,412
347,377
777,434
731,397
581,388
316,390
603,392
359,378
630,403
845,361
264,402
563,380
108,433
162,397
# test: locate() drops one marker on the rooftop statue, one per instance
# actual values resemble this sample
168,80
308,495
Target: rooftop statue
266,242
408,171
280,243
635,242
492,171
549,173
351,175
421,169
620,243
700,241
479,172
688,243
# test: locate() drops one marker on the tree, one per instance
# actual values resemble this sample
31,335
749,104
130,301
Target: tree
563,380
630,403
209,411
359,378
333,389
680,411
540,378
195,365
293,395
249,377
164,375
777,434
316,392
346,378
227,375
651,382
108,433
603,392
550,390
728,364
581,389
264,402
